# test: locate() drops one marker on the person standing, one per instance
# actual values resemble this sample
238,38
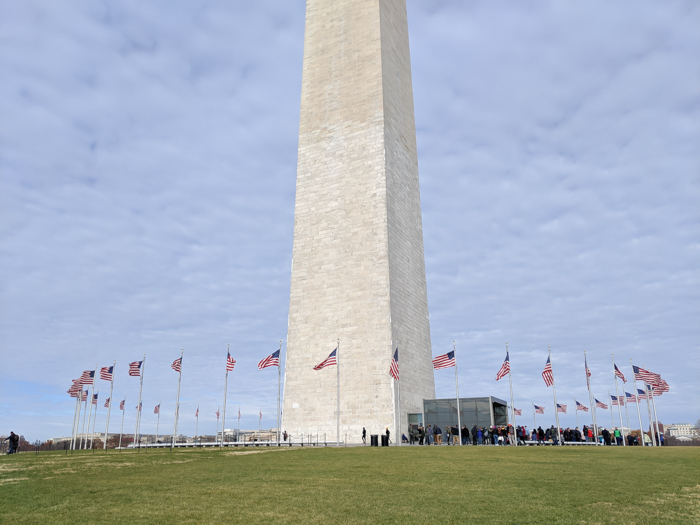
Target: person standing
364,435
14,443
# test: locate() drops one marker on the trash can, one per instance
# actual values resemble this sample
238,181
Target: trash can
385,440
374,440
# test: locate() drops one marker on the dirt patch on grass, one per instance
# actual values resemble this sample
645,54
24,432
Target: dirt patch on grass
12,480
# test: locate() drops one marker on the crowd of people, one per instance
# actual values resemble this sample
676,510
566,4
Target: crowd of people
509,435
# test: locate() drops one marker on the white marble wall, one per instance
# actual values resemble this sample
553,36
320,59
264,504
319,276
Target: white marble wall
358,270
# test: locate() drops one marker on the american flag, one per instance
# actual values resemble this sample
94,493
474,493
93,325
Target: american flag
94,399
177,365
239,412
539,410
505,368
75,388
630,398
619,374
135,368
106,373
73,393
329,361
444,361
547,373
588,371
654,390
261,413
661,387
121,404
599,404
579,406
196,414
271,360
88,377
156,410
84,396
517,412
644,375
217,413
107,402
617,401
139,406
394,367
561,408
230,362
641,394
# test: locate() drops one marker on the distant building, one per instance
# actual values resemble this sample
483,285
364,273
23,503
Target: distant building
682,429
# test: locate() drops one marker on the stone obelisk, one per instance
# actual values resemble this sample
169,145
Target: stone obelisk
358,268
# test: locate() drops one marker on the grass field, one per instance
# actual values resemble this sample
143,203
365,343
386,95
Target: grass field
438,485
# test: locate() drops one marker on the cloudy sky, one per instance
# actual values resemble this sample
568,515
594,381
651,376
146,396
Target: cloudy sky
147,172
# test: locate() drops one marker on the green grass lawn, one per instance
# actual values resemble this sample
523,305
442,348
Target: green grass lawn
438,485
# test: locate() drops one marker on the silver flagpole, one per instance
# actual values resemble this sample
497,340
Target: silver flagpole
512,404
177,402
223,420
94,420
611,412
82,434
651,420
459,419
656,418
397,401
576,410
138,406
554,391
594,417
217,422
636,396
627,414
238,426
121,431
337,382
619,410
196,428
109,408
534,417
94,380
158,421
279,382
651,417
75,412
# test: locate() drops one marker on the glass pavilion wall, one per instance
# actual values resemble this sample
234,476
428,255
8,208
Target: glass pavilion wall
479,411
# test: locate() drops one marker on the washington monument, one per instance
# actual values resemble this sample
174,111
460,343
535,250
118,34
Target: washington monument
358,269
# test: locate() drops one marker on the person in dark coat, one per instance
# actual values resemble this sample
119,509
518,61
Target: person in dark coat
14,442
540,435
364,436
475,431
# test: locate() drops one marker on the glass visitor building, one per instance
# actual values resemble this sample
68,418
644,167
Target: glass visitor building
480,411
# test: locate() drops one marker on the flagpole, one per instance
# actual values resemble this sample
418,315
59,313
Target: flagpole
512,404
636,396
109,408
223,420
554,391
177,402
651,417
656,418
619,410
92,434
217,422
459,419
94,380
121,431
279,382
611,411
534,417
337,381
158,421
576,410
651,420
238,427
138,406
594,417
196,428
82,434
627,414
75,411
